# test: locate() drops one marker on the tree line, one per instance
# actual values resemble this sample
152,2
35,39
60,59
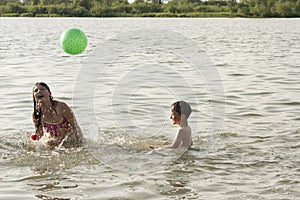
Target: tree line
150,8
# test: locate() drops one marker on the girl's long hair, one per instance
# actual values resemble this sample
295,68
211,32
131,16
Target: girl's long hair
37,111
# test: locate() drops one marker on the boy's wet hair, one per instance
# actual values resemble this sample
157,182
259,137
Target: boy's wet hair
182,108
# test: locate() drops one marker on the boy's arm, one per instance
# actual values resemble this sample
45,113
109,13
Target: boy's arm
177,141
175,144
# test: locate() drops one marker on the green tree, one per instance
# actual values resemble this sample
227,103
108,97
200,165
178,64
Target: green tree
87,4
286,9
232,5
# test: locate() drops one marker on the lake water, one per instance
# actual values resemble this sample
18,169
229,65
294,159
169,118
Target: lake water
241,77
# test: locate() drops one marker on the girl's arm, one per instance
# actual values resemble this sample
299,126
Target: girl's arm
69,115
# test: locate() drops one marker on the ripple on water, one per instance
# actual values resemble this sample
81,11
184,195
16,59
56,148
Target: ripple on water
256,156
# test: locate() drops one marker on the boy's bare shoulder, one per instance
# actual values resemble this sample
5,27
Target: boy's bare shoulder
186,129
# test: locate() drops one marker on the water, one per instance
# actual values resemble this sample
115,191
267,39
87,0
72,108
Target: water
245,118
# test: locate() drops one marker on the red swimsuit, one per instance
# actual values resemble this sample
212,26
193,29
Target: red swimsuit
57,129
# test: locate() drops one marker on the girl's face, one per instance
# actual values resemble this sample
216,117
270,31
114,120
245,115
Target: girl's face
41,94
175,117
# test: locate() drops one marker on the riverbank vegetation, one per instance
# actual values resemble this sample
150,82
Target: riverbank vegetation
150,8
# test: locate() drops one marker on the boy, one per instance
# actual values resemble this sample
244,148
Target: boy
180,112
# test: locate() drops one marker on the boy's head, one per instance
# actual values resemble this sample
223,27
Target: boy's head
178,109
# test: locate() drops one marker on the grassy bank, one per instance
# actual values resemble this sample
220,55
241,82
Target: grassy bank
154,8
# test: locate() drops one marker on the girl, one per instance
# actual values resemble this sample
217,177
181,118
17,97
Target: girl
55,123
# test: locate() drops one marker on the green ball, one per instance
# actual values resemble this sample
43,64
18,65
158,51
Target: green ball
73,41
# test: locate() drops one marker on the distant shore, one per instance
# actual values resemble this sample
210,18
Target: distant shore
151,8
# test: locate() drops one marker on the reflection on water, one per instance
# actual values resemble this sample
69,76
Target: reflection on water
255,157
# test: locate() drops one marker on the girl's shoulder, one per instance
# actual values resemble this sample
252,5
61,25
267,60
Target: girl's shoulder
60,104
61,107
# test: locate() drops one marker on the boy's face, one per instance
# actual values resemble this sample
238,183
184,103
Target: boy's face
175,116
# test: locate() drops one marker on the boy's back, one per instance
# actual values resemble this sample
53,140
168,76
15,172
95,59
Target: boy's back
183,138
